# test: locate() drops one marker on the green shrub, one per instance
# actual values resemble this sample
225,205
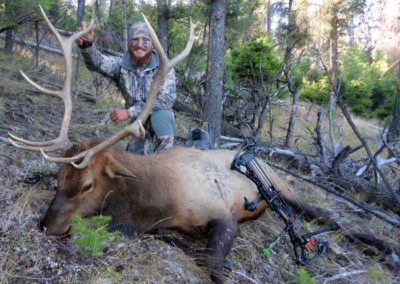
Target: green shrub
92,236
315,90
303,277
357,83
254,62
38,169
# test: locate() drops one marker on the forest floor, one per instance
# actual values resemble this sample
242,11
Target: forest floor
28,182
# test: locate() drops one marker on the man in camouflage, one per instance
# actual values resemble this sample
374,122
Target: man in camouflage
133,75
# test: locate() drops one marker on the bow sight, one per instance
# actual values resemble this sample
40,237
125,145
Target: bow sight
307,248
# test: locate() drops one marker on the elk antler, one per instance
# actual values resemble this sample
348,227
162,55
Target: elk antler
62,141
135,128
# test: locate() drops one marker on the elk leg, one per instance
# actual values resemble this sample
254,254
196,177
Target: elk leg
221,234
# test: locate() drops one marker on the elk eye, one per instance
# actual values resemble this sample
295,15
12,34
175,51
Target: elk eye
87,187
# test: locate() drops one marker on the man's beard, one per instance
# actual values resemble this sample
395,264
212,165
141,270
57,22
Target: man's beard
140,61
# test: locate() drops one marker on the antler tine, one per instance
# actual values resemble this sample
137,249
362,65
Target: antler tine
40,88
174,61
136,128
20,142
62,141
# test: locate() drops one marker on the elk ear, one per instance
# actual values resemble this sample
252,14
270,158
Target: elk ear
115,169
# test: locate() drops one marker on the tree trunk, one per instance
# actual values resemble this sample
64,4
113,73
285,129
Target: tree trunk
250,13
394,130
110,9
80,12
320,138
105,37
124,26
268,17
262,117
79,18
334,70
286,68
162,23
292,119
212,111
9,41
97,9
37,43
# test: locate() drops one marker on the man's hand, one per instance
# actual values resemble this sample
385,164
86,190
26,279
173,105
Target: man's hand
119,114
88,37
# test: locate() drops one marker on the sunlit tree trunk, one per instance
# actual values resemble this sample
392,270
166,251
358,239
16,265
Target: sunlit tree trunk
334,70
268,17
286,68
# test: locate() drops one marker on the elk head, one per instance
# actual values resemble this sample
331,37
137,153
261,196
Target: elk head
85,192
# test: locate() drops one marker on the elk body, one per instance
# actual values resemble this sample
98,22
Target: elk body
186,189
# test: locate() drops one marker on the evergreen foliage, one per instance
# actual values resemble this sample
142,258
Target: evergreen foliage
368,89
357,81
366,86
384,89
14,13
303,277
92,236
254,62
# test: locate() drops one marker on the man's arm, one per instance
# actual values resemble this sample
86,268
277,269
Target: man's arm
167,94
95,61
108,66
135,110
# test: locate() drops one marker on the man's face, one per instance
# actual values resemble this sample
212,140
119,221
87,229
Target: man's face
140,48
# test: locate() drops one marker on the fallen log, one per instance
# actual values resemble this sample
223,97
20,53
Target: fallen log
366,207
29,43
86,95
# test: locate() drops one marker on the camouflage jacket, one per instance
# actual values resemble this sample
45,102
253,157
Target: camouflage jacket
134,83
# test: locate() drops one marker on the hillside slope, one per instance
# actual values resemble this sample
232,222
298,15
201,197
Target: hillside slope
27,184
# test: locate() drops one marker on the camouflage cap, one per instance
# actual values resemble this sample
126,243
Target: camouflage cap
139,29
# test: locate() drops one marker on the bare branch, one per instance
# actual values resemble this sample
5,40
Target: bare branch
346,113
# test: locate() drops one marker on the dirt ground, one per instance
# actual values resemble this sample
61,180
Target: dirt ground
28,182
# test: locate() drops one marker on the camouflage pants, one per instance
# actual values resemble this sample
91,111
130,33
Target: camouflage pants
159,134
150,145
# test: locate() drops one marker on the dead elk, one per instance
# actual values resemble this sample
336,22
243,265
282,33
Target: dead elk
183,188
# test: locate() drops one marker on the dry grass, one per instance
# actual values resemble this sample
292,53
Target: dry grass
306,122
